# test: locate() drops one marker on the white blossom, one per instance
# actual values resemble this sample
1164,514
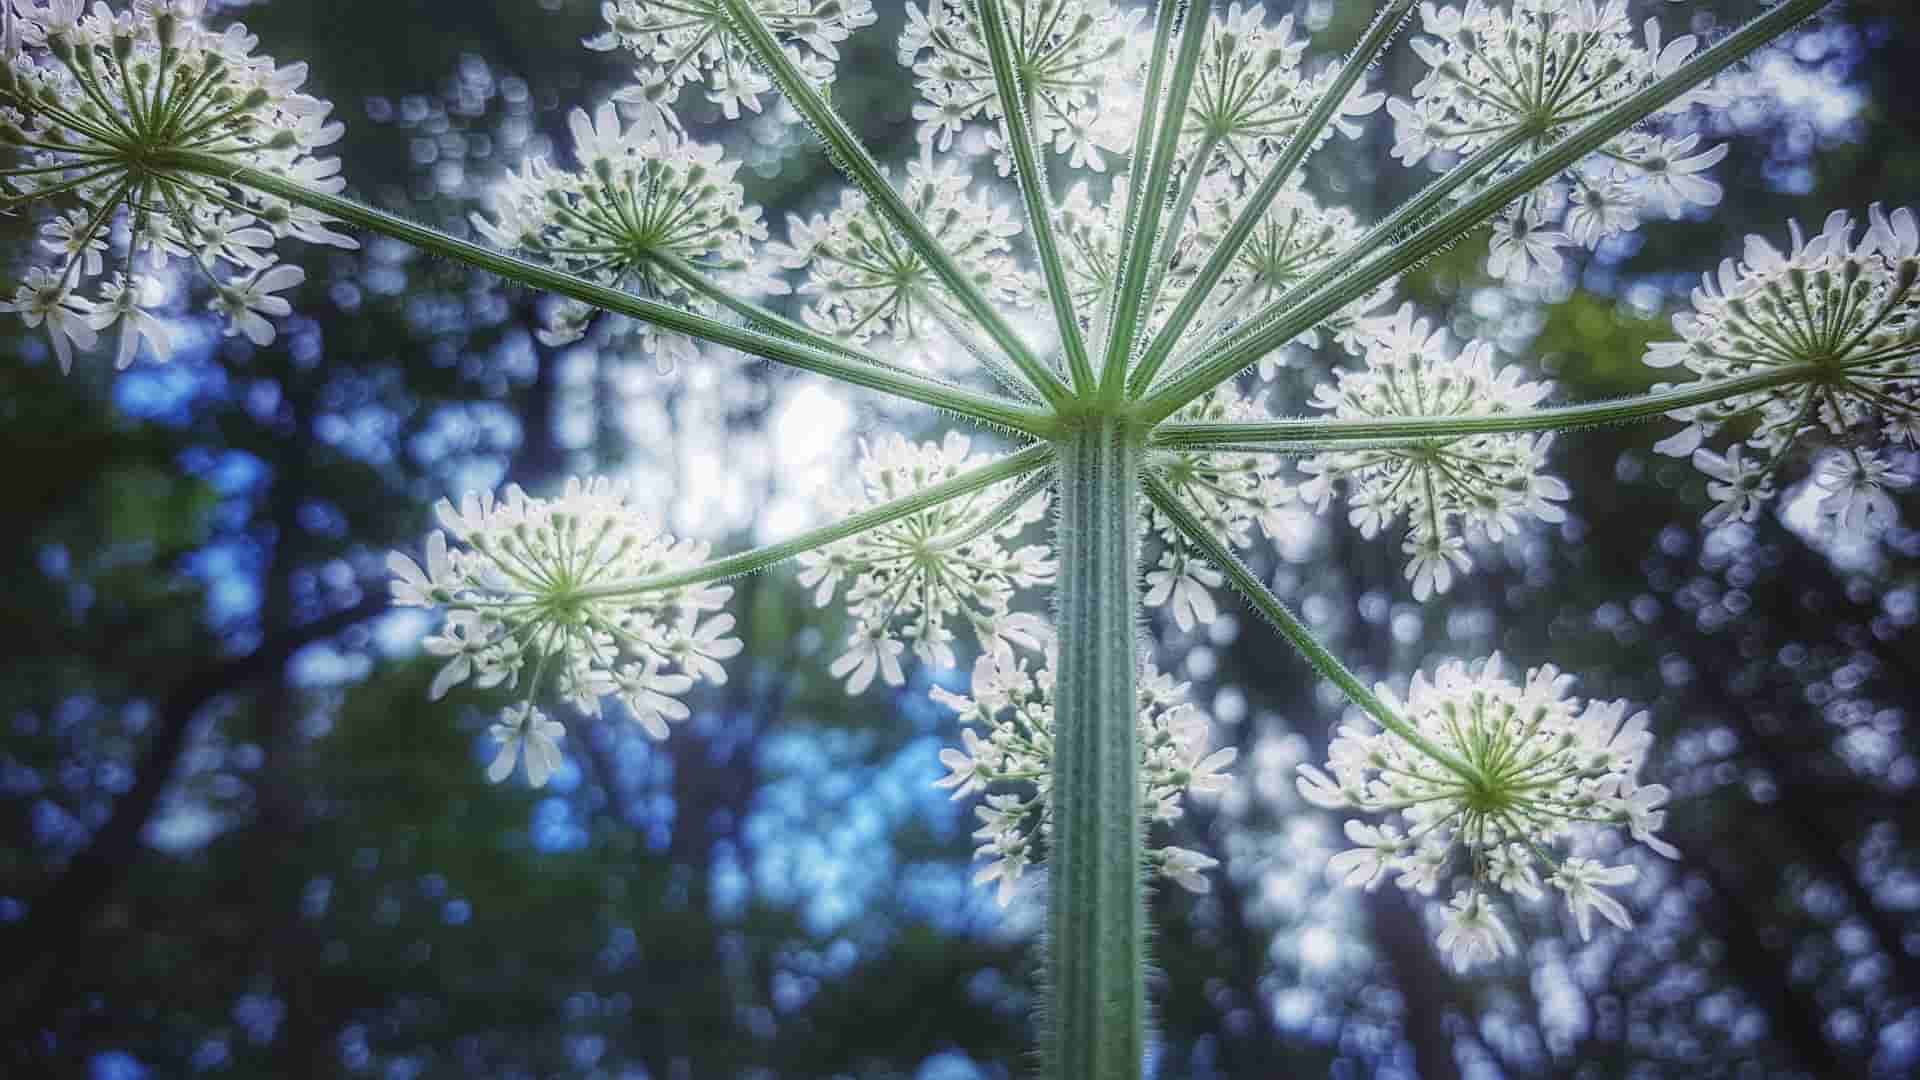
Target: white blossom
88,99
678,44
906,581
541,586
1839,309
1489,775
1008,744
1488,484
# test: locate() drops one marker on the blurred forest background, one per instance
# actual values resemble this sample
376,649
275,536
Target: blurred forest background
238,840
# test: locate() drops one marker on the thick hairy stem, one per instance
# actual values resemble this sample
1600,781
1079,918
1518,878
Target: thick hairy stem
1095,1027
1297,313
874,375
1372,44
1290,436
1274,611
747,562
851,156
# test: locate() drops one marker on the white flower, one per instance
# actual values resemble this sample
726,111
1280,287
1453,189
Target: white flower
1498,772
678,44
247,301
525,726
908,580
1581,880
1077,61
529,591
1008,744
1183,580
1856,485
81,137
44,297
1443,486
1836,307
1471,933
864,279
1534,69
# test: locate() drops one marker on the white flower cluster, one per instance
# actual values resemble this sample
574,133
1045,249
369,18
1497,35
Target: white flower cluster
1251,91
90,98
1534,68
532,587
866,279
1843,312
1012,704
1445,487
678,43
905,580
1295,239
1498,772
1228,492
1077,60
646,209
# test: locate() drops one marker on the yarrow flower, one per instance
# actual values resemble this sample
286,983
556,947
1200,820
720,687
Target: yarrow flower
1008,742
133,121
1532,69
1836,315
1486,776
904,581
647,211
680,43
561,586
1445,487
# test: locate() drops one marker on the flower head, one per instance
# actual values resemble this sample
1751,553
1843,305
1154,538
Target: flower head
905,581
1486,483
127,128
645,210
540,586
864,279
1530,70
1012,702
1489,775
678,44
1836,316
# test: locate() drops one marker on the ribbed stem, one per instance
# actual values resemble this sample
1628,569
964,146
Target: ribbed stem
1095,1027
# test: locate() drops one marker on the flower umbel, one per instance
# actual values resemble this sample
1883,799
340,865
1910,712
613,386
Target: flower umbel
1012,702
531,590
1498,773
1836,313
94,109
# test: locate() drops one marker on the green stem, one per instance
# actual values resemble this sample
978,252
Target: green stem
1142,232
1096,920
851,156
1375,41
1285,435
1290,627
747,562
1031,175
1294,316
985,408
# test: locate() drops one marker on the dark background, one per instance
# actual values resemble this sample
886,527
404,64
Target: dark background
239,841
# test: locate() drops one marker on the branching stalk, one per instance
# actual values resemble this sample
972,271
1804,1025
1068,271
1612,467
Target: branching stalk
1287,435
1290,627
748,562
1031,175
851,156
986,408
1290,319
1371,45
